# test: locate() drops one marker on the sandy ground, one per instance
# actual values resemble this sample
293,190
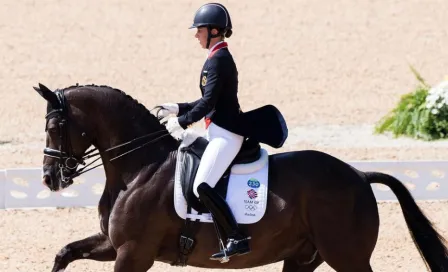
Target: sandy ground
332,67
30,240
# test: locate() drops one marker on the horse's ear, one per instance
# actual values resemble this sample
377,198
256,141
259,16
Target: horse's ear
48,95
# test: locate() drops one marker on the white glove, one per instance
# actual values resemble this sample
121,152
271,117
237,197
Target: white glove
167,109
173,125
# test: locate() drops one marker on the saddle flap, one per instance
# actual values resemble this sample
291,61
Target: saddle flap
189,159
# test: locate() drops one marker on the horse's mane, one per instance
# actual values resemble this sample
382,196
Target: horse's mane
134,102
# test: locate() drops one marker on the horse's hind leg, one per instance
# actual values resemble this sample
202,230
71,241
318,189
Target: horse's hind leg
345,226
96,247
295,266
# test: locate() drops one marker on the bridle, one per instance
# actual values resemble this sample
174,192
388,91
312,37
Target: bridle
68,162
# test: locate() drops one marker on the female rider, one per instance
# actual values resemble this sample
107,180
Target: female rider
220,107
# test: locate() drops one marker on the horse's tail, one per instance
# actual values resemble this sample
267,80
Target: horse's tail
430,243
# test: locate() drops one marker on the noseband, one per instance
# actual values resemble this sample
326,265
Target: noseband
68,162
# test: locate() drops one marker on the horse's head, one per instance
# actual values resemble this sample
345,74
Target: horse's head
114,123
66,141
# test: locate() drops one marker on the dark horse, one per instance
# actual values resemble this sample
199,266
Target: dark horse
319,209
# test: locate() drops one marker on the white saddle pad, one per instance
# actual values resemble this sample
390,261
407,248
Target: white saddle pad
246,194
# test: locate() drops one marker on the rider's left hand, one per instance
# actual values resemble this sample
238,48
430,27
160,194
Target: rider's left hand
173,125
167,109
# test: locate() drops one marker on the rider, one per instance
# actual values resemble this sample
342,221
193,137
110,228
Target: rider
220,107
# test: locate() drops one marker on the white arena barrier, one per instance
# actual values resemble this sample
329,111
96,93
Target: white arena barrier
23,188
2,188
426,180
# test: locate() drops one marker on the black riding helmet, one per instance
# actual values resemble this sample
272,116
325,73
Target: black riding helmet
213,15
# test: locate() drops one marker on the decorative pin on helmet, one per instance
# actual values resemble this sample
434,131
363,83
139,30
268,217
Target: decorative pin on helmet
213,15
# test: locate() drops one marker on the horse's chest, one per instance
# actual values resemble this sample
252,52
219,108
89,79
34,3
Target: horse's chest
131,215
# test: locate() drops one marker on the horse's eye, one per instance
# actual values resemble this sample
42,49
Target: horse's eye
52,130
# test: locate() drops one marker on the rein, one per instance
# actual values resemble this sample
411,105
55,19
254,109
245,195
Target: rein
88,154
68,162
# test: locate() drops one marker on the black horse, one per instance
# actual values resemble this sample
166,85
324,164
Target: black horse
319,209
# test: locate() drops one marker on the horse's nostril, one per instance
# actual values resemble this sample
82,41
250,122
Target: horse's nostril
46,180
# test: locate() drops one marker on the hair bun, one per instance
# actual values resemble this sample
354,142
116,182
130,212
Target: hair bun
229,33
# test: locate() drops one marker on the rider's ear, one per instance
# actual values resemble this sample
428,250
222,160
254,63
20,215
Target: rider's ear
214,31
48,95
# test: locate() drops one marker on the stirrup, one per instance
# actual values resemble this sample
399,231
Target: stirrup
226,258
223,251
223,256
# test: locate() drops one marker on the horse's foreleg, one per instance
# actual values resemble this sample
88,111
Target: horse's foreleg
133,258
297,266
96,247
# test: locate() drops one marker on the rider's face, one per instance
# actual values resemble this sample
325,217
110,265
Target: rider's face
201,35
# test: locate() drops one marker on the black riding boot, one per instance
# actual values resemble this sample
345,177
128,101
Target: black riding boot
237,243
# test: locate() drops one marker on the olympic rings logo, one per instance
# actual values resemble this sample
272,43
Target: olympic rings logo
251,207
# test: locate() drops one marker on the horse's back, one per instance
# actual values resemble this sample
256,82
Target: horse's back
299,176
310,164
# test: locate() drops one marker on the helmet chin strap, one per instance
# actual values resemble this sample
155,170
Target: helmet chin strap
210,36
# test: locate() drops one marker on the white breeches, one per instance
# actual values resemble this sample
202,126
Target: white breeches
222,148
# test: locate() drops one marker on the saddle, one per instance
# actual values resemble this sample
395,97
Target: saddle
190,158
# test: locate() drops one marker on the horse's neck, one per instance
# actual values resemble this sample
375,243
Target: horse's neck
127,167
140,164
111,119
149,151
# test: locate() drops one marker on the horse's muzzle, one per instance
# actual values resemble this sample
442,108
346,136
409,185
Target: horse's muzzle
50,178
